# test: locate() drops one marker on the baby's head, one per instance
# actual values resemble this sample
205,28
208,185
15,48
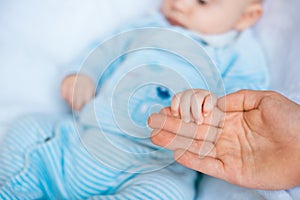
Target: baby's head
212,16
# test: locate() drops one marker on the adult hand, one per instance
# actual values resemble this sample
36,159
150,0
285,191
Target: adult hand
257,146
77,90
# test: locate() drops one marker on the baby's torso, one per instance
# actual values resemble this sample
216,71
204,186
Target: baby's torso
145,80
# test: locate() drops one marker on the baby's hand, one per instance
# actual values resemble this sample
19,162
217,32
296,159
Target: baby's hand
77,90
193,105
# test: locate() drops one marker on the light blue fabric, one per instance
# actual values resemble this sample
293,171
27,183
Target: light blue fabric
44,158
240,59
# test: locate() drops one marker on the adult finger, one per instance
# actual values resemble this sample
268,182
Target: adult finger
189,130
173,142
167,111
207,165
242,100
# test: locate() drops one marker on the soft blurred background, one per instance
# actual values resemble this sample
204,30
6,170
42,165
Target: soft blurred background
39,40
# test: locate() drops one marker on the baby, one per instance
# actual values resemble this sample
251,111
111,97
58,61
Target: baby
217,25
44,158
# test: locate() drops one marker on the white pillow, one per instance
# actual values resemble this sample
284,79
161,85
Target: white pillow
39,39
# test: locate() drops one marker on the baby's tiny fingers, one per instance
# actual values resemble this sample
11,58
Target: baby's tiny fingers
185,106
209,103
196,107
175,104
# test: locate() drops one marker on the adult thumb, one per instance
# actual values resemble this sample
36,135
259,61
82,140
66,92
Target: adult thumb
243,100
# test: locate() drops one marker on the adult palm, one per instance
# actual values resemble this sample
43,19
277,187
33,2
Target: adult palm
253,140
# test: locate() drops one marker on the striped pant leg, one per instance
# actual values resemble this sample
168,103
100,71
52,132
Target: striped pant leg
23,136
173,182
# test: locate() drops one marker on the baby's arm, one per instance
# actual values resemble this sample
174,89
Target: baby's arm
193,105
77,90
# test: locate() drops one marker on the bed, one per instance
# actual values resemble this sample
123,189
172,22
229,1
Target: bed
40,40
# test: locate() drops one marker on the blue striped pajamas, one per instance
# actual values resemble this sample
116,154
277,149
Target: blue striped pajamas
44,159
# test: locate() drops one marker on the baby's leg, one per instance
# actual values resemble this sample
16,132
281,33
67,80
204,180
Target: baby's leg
22,136
15,149
173,182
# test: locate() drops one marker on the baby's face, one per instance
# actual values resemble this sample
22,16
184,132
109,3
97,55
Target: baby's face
205,16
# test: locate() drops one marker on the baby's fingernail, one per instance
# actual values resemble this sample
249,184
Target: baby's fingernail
205,114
